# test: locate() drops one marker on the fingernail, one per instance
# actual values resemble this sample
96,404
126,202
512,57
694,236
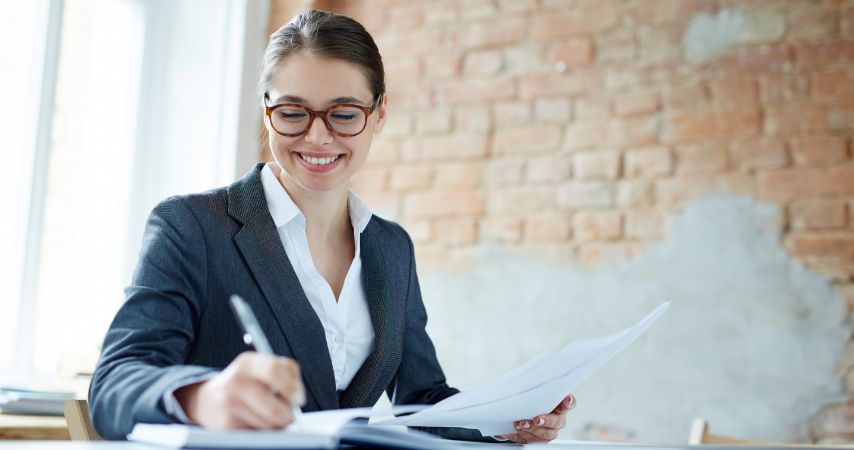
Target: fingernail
527,425
541,421
299,398
518,427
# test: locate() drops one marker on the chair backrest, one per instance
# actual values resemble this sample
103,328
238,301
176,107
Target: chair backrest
79,425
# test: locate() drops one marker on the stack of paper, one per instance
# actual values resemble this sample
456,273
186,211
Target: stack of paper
34,402
532,389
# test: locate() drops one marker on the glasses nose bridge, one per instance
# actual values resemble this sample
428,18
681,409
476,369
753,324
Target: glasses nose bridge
312,114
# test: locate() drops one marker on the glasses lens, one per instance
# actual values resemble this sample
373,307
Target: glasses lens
289,119
346,120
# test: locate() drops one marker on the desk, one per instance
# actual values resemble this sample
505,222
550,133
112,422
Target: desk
557,445
33,427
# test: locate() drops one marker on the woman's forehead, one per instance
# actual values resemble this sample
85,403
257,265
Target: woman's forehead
318,80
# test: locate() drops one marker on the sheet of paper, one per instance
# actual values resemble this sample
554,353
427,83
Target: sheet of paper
331,421
529,390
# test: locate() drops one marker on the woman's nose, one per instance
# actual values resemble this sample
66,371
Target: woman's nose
317,133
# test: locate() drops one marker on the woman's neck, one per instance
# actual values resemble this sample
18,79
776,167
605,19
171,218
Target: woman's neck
326,213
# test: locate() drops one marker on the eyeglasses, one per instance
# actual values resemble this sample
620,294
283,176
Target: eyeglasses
293,119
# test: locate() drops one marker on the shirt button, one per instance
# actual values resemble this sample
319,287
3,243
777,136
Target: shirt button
339,339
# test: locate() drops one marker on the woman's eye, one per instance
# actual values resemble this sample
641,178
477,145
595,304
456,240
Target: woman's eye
292,115
343,117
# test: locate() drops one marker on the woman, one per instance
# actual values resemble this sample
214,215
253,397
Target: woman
334,287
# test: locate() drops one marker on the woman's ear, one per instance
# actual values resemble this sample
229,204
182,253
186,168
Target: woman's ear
381,114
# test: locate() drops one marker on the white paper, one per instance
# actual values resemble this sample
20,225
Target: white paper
532,389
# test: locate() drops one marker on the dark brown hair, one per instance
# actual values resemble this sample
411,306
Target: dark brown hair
328,35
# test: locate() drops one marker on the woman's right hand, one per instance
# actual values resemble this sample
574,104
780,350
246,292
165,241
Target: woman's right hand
254,391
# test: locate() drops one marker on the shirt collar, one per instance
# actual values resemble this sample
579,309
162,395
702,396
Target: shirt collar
284,210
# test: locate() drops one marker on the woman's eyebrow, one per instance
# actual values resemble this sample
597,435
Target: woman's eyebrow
302,101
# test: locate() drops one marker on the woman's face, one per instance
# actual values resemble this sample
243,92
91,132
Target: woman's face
318,83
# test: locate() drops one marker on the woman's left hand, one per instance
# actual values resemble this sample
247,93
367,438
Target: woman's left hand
543,428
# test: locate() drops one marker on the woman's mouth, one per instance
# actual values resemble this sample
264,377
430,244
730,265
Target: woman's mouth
319,163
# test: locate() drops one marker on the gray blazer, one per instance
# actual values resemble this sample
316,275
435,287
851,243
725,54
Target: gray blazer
176,324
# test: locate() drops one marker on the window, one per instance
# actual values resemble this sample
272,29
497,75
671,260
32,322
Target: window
139,100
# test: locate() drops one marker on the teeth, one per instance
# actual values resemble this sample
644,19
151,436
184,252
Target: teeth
319,161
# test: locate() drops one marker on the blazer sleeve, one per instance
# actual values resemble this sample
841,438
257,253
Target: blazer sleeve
147,344
419,378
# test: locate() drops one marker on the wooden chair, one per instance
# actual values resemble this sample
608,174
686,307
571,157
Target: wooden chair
79,425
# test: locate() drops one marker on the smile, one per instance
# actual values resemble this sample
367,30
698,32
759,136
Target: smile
319,161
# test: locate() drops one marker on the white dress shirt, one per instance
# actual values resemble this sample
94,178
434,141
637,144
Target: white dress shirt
346,322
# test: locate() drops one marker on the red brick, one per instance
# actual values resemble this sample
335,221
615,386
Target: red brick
572,53
384,204
795,118
617,46
649,162
735,91
548,168
833,86
818,150
402,69
552,110
848,23
818,215
552,84
475,90
416,41
517,6
411,177
598,164
579,194
559,24
686,96
587,134
405,17
421,231
701,158
807,182
812,23
472,118
635,193
502,229
547,227
443,204
636,103
738,122
384,150
511,113
442,65
477,9
517,200
594,254
688,125
504,171
592,108
487,33
454,146
660,12
645,224
487,62
784,88
398,124
597,225
841,118
434,120
837,247
677,192
441,12
409,96
659,45
755,59
371,179
764,152
533,138
455,231
459,175
824,54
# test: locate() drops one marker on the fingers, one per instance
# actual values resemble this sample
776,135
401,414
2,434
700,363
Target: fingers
281,375
262,410
567,404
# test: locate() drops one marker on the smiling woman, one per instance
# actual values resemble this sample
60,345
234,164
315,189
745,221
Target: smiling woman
334,286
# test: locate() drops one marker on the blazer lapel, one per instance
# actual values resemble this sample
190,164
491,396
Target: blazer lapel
261,246
377,371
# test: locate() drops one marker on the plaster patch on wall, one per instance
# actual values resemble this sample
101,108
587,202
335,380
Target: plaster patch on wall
750,342
709,35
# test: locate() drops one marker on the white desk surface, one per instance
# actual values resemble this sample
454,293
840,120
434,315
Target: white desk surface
117,445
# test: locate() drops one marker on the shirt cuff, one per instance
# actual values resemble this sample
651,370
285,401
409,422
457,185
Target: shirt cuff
171,404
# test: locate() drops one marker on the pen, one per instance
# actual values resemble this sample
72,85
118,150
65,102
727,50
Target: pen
253,335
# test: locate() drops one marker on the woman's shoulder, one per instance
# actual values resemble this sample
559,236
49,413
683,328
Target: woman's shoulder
199,204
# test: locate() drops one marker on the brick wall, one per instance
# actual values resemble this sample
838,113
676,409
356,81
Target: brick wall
572,130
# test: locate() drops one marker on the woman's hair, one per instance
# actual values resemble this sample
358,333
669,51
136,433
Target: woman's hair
328,35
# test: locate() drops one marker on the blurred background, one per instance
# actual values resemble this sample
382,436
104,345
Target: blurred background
563,166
